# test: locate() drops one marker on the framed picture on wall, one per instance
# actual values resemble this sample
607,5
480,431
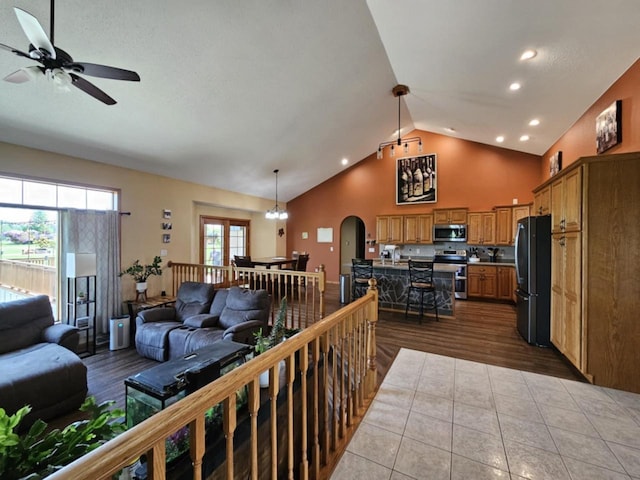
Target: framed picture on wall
416,180
609,127
555,163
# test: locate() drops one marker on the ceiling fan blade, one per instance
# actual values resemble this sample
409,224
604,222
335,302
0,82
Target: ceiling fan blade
34,32
103,71
23,75
14,50
91,89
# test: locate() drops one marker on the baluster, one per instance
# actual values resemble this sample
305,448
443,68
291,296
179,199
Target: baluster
326,445
335,413
291,376
197,445
304,365
348,362
229,423
156,461
315,357
254,405
274,387
342,355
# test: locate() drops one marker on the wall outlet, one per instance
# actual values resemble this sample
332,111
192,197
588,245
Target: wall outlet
372,250
331,249
418,251
163,253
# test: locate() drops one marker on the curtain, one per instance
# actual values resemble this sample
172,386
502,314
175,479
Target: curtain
86,231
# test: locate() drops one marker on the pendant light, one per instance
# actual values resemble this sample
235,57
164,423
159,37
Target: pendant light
399,91
275,213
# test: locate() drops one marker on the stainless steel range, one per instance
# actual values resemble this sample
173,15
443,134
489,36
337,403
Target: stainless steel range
455,258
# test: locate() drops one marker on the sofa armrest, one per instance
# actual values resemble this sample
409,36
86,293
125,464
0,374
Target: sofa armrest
203,320
159,314
62,334
243,332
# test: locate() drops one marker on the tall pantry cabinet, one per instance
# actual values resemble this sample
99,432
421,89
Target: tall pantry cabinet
595,298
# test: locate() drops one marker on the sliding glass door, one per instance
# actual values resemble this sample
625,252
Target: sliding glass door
222,238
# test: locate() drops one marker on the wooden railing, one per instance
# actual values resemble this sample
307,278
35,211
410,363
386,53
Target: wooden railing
304,290
29,277
326,383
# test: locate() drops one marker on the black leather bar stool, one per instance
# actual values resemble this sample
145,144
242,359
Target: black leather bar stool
361,272
421,282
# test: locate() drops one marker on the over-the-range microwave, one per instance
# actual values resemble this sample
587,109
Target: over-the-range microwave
450,233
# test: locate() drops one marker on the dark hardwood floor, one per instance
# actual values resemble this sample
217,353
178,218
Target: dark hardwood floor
482,332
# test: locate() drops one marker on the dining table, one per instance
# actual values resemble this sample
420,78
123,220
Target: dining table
268,262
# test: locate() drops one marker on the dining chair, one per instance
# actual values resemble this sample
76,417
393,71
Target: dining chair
421,282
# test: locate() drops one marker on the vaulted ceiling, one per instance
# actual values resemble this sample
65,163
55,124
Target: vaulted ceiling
231,90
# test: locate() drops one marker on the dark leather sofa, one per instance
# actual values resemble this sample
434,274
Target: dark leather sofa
38,364
201,316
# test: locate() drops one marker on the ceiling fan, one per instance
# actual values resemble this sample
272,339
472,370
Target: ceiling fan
56,64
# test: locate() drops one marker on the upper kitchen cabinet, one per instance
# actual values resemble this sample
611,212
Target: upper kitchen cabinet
418,229
389,229
566,202
518,212
503,226
450,215
481,228
542,201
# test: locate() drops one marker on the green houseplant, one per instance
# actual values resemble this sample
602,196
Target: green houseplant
141,273
37,453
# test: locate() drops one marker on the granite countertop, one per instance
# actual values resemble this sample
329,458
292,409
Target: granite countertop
404,265
505,262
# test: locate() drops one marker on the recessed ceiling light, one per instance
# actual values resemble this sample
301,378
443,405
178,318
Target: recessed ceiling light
534,123
528,54
514,86
344,161
524,138
500,139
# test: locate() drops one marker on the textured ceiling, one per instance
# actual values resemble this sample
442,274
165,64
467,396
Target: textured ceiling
232,89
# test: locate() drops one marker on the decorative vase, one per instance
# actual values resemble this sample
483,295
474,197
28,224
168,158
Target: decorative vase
141,287
264,376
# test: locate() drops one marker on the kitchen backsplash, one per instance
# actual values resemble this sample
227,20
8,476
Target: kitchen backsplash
428,251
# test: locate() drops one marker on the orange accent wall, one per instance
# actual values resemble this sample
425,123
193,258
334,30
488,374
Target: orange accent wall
580,140
470,175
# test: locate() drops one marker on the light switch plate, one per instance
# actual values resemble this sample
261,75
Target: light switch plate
372,250
163,253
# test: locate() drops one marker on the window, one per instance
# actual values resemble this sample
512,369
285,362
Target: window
221,239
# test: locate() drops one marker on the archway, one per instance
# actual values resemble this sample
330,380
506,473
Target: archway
352,241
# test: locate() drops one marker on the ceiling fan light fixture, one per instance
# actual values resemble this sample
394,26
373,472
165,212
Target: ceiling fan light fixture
399,91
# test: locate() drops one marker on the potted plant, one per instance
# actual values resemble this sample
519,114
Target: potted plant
141,273
278,334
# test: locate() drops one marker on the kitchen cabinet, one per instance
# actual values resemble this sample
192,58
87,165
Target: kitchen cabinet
504,226
514,285
518,212
542,201
506,287
454,216
595,270
482,281
481,228
566,203
389,229
418,229
566,296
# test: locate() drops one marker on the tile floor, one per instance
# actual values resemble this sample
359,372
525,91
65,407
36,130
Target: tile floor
438,417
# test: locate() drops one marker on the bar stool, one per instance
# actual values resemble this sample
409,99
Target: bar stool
361,272
421,281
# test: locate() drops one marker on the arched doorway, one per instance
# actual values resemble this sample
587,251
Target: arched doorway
352,241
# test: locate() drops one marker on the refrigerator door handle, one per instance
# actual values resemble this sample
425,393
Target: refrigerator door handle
517,249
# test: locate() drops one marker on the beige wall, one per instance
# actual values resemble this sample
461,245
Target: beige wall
145,196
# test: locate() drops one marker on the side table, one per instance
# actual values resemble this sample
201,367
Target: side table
133,307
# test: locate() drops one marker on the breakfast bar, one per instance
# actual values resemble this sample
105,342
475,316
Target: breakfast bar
393,282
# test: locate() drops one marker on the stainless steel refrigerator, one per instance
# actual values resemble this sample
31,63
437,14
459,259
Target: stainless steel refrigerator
533,274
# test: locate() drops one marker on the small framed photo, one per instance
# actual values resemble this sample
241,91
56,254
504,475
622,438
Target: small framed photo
609,127
166,238
166,213
167,226
555,163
